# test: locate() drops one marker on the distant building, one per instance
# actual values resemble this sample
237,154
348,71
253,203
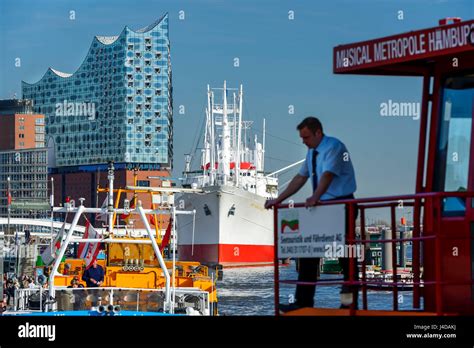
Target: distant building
23,158
21,128
28,174
116,107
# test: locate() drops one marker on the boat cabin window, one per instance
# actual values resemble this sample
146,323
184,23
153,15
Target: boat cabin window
454,141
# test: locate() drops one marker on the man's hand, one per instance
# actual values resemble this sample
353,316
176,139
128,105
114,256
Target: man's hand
271,203
296,183
311,201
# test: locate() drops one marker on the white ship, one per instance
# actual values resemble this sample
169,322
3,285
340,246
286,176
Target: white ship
232,227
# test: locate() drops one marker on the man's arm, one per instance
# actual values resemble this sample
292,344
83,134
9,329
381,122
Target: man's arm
101,275
85,276
294,186
323,185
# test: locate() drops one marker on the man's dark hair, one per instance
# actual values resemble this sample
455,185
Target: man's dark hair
312,123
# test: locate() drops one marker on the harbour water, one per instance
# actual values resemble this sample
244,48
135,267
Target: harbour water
250,291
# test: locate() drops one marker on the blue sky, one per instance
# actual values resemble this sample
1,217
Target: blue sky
282,62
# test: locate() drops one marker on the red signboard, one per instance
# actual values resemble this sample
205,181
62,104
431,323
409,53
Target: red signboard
437,41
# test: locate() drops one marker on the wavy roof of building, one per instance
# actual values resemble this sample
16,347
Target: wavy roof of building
103,40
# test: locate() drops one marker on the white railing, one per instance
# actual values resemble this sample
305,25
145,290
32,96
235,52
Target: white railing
33,300
187,300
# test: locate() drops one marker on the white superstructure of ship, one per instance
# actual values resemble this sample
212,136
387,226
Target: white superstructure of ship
232,227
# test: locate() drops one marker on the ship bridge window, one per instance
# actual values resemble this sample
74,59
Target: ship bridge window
454,141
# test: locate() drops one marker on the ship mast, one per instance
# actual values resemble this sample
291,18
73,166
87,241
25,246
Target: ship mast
224,165
210,110
239,136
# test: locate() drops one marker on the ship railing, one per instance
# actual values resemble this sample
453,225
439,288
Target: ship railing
129,299
427,233
30,299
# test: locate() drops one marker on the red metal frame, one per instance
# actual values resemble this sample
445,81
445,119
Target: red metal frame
431,232
434,63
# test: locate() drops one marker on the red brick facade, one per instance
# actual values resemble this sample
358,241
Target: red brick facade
19,131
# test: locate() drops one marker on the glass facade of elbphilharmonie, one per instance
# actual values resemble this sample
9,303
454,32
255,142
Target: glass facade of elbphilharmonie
116,107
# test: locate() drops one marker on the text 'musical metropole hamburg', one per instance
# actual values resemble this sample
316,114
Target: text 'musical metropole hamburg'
415,44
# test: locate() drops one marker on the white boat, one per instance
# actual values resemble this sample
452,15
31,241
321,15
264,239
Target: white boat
232,227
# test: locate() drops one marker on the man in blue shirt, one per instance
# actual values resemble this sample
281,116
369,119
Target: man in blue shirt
330,170
94,275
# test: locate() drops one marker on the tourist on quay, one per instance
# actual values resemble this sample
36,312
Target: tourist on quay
31,284
77,297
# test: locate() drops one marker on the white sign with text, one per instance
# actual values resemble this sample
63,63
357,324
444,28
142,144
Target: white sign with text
306,232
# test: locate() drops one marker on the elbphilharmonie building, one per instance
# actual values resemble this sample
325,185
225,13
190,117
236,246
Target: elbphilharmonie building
117,106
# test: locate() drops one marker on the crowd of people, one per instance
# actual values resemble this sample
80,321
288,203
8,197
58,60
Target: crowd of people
13,282
93,276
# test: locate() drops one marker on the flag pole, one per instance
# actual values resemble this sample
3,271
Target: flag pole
110,207
51,202
9,201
